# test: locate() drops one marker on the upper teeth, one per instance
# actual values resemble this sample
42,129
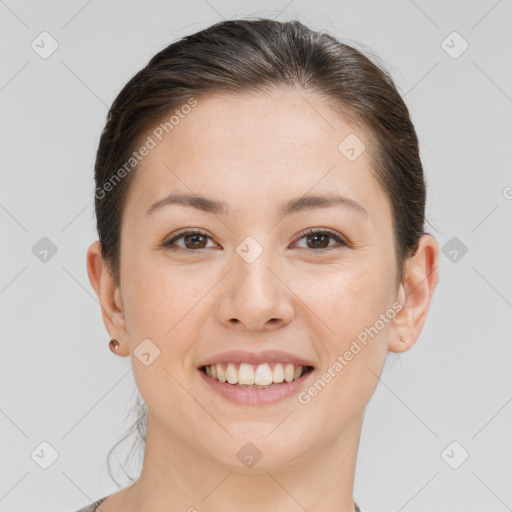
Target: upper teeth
262,375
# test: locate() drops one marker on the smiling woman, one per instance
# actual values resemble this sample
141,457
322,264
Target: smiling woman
258,263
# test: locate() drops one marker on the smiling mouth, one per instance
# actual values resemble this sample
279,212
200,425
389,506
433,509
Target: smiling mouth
251,376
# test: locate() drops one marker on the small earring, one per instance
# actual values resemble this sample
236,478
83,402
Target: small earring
114,345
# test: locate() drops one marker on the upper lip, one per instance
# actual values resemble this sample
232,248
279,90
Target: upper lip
266,356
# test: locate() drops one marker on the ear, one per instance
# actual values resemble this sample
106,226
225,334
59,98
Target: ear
109,296
415,294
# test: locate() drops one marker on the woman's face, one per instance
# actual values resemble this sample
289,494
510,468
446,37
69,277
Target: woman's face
251,281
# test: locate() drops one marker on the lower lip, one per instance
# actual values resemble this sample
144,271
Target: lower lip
274,393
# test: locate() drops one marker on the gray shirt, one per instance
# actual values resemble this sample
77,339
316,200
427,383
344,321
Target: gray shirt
93,506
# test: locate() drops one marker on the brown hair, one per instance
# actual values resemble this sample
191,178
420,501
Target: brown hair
248,56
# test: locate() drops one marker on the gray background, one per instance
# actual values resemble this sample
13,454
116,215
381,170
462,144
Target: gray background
61,384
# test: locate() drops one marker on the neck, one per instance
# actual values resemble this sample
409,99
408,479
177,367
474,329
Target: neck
176,476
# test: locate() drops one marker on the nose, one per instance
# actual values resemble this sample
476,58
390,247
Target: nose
254,296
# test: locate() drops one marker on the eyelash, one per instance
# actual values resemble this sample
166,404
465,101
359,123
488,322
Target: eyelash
310,231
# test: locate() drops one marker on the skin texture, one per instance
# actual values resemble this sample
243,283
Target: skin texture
255,153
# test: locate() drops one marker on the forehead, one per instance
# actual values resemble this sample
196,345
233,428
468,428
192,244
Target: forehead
268,146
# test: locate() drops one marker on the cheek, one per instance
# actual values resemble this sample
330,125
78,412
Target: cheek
165,304
348,298
161,309
350,305
154,289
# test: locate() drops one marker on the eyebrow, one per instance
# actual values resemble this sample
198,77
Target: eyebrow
308,202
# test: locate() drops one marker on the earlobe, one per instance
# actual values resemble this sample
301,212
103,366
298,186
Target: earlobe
109,295
415,294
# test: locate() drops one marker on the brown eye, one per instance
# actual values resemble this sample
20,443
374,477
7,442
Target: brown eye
192,240
315,239
195,241
319,239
